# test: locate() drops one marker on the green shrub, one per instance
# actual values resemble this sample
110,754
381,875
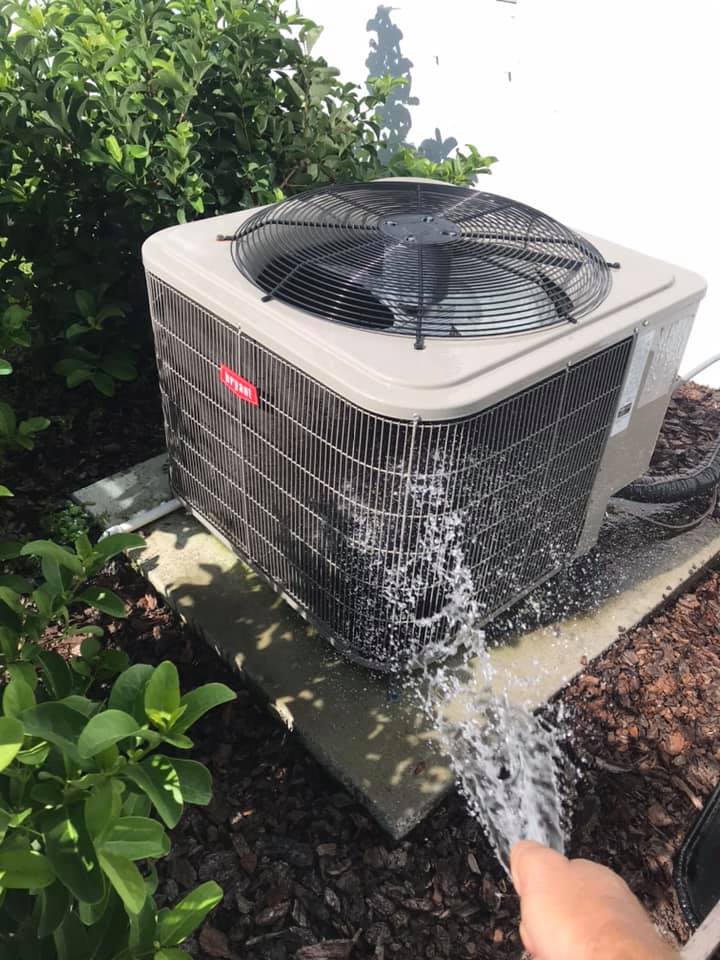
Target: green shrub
66,523
119,119
16,434
81,770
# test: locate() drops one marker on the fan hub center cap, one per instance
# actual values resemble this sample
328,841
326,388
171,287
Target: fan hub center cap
419,228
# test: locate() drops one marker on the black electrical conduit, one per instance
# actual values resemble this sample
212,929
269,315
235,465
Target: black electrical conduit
683,486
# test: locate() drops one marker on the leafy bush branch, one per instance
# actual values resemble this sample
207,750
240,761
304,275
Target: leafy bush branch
82,769
120,119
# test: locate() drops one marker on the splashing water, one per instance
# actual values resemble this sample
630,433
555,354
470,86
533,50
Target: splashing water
508,761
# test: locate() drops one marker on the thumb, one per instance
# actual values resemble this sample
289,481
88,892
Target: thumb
575,909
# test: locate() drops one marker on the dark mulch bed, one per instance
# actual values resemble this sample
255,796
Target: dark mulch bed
89,437
690,430
307,874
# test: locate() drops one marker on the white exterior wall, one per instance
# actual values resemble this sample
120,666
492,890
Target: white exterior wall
603,113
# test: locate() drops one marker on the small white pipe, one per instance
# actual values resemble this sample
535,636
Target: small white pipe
684,377
144,517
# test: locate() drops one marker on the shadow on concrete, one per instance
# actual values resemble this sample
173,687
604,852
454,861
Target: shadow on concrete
350,719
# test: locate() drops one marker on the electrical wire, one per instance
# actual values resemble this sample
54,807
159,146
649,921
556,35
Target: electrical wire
691,524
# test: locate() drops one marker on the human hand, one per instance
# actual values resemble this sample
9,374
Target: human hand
579,910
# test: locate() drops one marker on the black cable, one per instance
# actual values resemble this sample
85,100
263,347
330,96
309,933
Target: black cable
683,486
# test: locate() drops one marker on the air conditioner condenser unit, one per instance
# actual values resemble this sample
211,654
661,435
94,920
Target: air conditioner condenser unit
366,382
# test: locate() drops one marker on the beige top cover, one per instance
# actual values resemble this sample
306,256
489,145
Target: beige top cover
382,372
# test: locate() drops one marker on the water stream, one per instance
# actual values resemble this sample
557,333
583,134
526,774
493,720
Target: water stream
508,760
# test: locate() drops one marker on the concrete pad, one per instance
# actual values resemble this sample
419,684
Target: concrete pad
117,498
379,747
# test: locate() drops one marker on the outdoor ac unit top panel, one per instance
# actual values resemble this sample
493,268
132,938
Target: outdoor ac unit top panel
450,377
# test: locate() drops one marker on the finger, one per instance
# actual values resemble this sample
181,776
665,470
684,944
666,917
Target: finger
532,864
526,939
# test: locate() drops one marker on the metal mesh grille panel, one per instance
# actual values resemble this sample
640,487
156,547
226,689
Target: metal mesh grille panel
421,259
355,516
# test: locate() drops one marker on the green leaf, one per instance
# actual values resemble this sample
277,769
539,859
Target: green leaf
8,421
71,939
178,740
33,425
111,546
9,620
18,584
35,755
136,805
128,691
5,491
92,913
70,364
104,384
83,547
12,600
54,579
105,729
106,938
10,549
5,367
136,838
56,674
75,330
85,302
54,903
104,600
77,377
88,630
162,693
177,924
113,661
195,781
46,548
11,740
58,724
102,807
71,852
90,647
17,697
170,953
21,670
48,793
82,705
126,880
119,367
25,870
143,927
158,778
199,701
113,148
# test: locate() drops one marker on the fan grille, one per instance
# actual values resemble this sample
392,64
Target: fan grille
420,259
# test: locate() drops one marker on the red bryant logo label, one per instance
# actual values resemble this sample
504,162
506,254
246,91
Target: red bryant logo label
239,385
